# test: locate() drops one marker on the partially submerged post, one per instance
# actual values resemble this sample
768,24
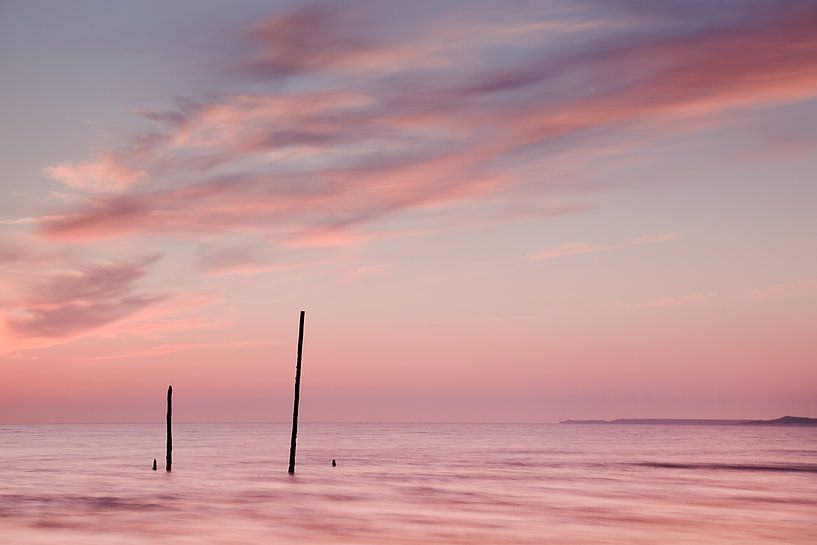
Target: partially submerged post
169,434
297,396
154,464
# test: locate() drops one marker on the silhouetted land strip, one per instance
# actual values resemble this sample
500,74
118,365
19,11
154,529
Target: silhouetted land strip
784,421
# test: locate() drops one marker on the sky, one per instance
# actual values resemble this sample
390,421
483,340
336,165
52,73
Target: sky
490,211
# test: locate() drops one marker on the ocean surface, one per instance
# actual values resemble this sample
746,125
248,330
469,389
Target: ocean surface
409,484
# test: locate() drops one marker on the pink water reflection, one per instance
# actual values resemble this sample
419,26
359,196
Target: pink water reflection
409,484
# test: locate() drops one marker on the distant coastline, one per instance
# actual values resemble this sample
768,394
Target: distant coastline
783,421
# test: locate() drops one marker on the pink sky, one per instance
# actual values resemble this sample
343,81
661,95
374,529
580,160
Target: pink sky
560,210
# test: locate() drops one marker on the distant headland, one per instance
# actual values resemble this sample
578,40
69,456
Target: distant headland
783,421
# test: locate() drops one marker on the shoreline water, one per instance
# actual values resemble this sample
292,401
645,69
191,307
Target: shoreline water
409,484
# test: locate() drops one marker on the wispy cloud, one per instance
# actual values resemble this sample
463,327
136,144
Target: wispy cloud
786,290
10,254
108,174
327,123
173,348
697,298
562,250
364,273
577,248
75,302
656,238
773,292
247,258
34,220
412,130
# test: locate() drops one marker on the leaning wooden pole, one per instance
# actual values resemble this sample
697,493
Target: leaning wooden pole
297,396
169,457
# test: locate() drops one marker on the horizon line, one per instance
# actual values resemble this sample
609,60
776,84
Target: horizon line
441,422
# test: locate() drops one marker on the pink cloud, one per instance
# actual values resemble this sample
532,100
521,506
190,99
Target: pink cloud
79,301
576,248
339,127
34,220
91,282
173,348
107,174
562,250
71,319
697,298
252,258
364,273
325,238
327,38
656,238
316,167
26,326
182,312
326,169
10,254
305,39
785,290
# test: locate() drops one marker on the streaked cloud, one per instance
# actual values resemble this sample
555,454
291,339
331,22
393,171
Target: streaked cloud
577,248
108,174
317,166
327,123
697,298
364,273
656,238
247,258
75,302
773,292
785,290
173,348
562,250
10,254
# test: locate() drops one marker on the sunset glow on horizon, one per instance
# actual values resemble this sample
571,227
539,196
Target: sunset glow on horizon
524,211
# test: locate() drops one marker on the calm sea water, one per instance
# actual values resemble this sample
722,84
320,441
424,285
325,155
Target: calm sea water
409,483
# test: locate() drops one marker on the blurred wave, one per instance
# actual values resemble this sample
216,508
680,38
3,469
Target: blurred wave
735,467
408,484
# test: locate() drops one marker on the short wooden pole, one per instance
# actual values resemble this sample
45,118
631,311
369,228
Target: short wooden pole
169,457
297,396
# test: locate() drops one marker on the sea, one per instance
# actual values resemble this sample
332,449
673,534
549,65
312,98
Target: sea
409,484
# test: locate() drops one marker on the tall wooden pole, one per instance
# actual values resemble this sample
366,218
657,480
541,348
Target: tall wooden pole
169,434
297,396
